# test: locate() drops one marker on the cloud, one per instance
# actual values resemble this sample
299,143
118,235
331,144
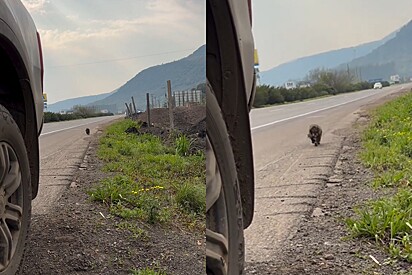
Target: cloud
172,18
78,35
35,6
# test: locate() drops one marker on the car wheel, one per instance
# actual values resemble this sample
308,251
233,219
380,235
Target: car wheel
15,194
224,222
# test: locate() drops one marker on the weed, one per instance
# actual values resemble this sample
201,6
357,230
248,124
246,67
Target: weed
138,233
147,271
183,145
387,221
192,197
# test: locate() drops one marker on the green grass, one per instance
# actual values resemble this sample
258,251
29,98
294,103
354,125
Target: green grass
147,271
387,150
388,221
388,143
183,145
138,233
151,181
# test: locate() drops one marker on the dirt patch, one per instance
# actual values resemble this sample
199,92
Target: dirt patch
81,237
184,117
322,244
190,121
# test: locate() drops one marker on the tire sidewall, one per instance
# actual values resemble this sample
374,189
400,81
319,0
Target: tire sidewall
10,133
219,139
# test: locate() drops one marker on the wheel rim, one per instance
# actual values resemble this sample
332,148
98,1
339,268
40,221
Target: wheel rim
217,236
11,203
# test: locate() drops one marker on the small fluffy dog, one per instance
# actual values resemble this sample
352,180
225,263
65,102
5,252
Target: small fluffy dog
315,134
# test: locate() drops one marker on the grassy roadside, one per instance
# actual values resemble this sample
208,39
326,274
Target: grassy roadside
151,182
387,150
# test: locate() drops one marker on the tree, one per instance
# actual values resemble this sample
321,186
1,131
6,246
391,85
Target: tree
261,96
331,80
83,111
275,96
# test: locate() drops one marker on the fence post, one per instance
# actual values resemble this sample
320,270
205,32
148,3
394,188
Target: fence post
134,106
127,110
169,95
148,109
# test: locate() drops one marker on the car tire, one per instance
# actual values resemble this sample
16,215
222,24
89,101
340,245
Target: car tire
15,194
224,220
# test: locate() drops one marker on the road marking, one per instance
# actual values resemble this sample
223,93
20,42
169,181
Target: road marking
308,113
68,128
270,163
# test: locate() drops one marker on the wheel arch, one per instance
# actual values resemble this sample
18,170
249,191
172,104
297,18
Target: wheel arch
17,97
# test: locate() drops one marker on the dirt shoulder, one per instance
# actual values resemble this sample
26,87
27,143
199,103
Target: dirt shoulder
81,237
322,244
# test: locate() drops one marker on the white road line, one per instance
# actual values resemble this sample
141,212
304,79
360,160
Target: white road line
308,113
271,163
68,128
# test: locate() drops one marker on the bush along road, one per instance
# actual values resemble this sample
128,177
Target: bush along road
136,206
361,222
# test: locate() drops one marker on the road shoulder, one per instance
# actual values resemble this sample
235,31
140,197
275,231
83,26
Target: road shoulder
321,243
80,236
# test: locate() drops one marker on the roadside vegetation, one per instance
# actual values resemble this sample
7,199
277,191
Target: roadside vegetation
387,151
79,112
319,83
147,271
151,182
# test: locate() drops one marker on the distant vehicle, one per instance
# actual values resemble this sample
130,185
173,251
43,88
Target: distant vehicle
21,120
377,85
395,78
290,85
230,93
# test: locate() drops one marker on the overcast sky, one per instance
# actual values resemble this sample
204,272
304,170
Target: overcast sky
95,46
288,29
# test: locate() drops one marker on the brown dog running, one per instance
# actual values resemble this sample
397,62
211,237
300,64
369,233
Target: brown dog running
315,134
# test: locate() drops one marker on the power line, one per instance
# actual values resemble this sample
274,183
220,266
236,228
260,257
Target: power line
117,59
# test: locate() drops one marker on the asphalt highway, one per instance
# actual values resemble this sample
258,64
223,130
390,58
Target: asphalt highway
289,170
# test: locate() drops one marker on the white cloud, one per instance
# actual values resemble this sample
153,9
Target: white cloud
35,6
172,18
78,35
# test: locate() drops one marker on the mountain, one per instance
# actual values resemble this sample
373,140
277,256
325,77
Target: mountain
393,57
184,74
299,68
69,103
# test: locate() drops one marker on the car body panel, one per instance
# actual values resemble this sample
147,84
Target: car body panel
23,36
240,11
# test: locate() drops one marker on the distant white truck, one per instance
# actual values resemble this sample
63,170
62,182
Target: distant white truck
290,85
395,78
